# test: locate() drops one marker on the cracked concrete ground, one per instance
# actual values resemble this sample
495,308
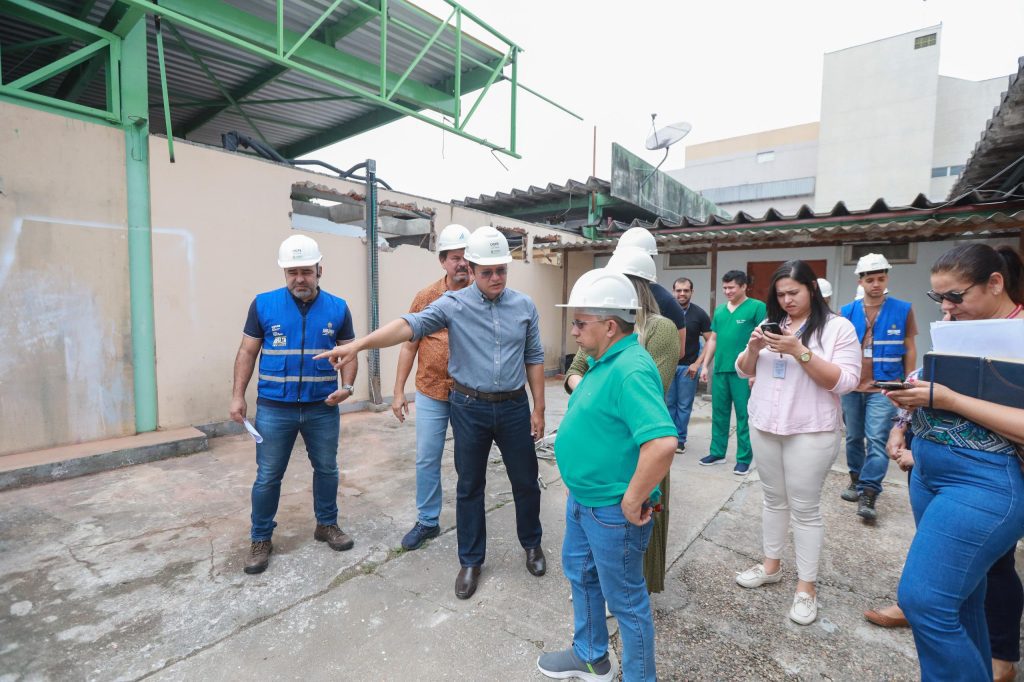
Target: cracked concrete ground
137,573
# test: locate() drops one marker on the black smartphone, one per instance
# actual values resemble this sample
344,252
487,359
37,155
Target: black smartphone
892,385
772,328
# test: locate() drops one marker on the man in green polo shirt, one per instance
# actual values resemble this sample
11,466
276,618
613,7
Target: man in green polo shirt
731,327
614,444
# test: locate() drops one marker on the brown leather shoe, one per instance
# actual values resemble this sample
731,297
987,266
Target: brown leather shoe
466,580
536,564
887,621
259,556
335,537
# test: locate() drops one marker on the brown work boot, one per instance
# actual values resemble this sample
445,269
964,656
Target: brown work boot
259,556
335,537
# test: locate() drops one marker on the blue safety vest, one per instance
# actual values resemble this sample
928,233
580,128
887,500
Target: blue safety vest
288,372
888,334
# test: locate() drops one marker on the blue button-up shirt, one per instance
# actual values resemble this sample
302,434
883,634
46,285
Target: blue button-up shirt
490,342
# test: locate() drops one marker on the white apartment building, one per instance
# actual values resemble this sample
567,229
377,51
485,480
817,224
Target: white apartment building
891,126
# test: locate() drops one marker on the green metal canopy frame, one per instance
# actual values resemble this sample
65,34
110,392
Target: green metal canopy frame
89,60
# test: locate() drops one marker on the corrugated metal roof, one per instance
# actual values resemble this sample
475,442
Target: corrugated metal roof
534,196
192,91
972,215
1001,144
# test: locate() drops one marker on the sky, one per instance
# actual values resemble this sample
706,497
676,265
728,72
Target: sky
729,67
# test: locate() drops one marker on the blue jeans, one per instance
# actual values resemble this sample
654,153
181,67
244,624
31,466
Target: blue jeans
680,400
431,427
867,415
477,425
969,509
603,559
319,425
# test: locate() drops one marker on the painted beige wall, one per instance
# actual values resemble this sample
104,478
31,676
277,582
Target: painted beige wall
65,373
218,219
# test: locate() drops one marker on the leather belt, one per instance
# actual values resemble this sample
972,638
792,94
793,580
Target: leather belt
489,397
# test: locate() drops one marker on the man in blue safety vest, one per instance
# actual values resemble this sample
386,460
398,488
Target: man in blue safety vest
296,393
886,329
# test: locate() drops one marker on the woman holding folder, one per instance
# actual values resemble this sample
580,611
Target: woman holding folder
967,486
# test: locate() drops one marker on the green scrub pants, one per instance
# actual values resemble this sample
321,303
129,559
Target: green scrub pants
727,392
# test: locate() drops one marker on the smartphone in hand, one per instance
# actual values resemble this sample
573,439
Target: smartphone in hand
892,385
771,328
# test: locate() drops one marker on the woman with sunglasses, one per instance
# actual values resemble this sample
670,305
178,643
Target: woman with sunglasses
659,336
966,489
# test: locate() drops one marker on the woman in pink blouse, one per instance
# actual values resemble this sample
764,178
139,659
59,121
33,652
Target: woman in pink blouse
795,420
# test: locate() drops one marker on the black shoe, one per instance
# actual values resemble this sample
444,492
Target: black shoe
536,564
866,506
466,580
419,534
259,556
851,494
336,538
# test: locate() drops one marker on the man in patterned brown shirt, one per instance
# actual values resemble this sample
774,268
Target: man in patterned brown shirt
432,387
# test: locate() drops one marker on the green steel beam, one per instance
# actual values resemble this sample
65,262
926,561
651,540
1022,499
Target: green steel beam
498,67
165,97
135,102
44,103
48,71
165,11
316,24
118,19
52,20
246,31
254,84
350,22
422,53
222,103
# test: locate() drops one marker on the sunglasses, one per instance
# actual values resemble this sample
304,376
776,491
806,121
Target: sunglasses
496,272
955,297
580,324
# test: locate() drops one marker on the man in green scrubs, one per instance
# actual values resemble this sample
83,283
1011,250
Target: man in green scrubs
731,327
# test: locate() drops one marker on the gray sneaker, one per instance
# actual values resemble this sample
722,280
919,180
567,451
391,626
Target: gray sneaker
561,665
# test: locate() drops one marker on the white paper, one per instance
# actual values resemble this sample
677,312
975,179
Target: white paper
1001,339
252,430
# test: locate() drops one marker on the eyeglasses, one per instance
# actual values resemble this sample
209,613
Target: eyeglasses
496,272
955,297
580,324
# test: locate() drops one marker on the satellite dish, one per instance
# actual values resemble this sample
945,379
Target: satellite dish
664,138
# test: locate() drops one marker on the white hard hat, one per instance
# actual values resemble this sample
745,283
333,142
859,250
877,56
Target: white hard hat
640,238
298,251
452,237
604,292
824,287
487,246
633,260
872,262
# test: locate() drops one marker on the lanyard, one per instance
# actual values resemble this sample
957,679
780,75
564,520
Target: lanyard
1015,311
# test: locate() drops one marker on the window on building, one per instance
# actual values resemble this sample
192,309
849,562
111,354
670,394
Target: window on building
940,172
956,170
687,260
894,253
765,157
925,41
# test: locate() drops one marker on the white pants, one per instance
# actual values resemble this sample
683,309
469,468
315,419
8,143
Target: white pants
793,470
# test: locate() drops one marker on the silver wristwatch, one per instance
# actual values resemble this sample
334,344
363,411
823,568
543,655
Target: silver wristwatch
347,387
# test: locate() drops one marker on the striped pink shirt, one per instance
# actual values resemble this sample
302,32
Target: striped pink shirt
795,404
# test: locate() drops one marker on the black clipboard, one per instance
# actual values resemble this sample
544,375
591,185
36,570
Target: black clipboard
992,379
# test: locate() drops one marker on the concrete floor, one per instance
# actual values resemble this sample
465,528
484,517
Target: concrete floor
138,572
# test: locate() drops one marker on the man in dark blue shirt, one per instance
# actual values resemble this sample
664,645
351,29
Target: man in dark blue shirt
684,386
296,393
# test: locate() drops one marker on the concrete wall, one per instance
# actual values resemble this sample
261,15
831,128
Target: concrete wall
962,109
65,373
878,104
219,218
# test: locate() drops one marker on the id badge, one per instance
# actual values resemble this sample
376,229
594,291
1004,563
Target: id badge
867,352
779,368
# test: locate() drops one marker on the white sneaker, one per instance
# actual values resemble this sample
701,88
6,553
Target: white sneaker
755,577
805,609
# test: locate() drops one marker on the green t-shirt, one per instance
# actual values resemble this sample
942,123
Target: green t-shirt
732,331
618,406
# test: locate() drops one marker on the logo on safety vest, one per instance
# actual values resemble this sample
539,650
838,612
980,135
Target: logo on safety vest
280,341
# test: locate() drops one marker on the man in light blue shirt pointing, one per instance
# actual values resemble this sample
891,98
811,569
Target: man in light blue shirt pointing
494,350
